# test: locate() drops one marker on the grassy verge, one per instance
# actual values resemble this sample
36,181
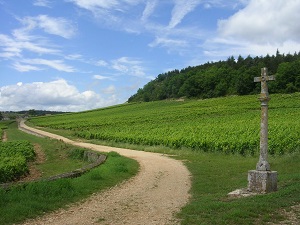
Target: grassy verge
33,199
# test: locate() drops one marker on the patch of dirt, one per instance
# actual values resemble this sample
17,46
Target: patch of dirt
292,216
4,136
34,173
154,196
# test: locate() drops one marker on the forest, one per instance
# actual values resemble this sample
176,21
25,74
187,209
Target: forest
224,78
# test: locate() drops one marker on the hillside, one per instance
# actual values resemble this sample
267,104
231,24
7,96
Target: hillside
230,77
227,124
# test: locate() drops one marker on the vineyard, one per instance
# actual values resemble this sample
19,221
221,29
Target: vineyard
13,159
3,125
227,124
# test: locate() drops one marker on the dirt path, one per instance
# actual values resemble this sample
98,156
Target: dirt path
152,197
4,136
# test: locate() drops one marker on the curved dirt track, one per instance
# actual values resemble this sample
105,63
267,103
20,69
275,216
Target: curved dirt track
152,197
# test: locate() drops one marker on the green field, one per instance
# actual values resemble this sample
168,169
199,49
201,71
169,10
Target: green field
229,125
219,141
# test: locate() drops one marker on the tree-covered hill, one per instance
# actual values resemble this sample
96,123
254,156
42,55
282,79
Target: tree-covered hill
230,77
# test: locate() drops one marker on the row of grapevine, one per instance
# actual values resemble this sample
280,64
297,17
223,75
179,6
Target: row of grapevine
229,125
13,159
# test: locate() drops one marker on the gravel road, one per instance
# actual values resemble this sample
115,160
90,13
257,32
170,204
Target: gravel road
154,196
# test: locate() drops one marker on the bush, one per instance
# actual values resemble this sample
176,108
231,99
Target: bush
13,159
12,168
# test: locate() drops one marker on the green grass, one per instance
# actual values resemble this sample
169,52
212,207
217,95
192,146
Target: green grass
33,199
56,152
215,175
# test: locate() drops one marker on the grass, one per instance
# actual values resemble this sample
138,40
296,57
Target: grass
34,199
56,152
215,175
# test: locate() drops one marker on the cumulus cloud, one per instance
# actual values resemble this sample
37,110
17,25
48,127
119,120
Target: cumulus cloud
56,95
259,28
264,22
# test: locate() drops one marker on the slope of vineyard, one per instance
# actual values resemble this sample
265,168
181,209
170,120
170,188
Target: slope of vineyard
227,124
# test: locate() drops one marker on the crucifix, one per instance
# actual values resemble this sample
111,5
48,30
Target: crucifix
263,180
264,98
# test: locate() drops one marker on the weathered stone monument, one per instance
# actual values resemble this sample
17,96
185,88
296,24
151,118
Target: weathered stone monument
263,180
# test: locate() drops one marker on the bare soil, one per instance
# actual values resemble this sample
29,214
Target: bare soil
292,215
4,136
34,173
154,196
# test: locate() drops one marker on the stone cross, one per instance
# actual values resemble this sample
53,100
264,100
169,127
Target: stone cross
264,98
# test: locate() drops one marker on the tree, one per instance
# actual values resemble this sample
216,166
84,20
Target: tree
221,78
32,112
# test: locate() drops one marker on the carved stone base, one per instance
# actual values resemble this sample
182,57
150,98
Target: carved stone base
262,181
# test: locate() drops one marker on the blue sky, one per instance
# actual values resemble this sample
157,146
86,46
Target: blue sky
74,55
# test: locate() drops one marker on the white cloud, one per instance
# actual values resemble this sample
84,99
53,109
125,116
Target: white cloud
128,66
56,95
101,63
42,3
168,42
57,26
100,77
55,64
110,90
149,9
93,5
20,41
25,68
181,9
51,25
104,5
264,22
259,28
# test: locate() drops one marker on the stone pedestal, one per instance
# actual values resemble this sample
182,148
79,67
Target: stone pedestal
262,181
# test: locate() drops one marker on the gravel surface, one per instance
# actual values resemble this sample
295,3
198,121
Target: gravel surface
154,196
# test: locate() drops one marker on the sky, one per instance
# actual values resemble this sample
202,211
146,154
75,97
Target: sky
76,55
